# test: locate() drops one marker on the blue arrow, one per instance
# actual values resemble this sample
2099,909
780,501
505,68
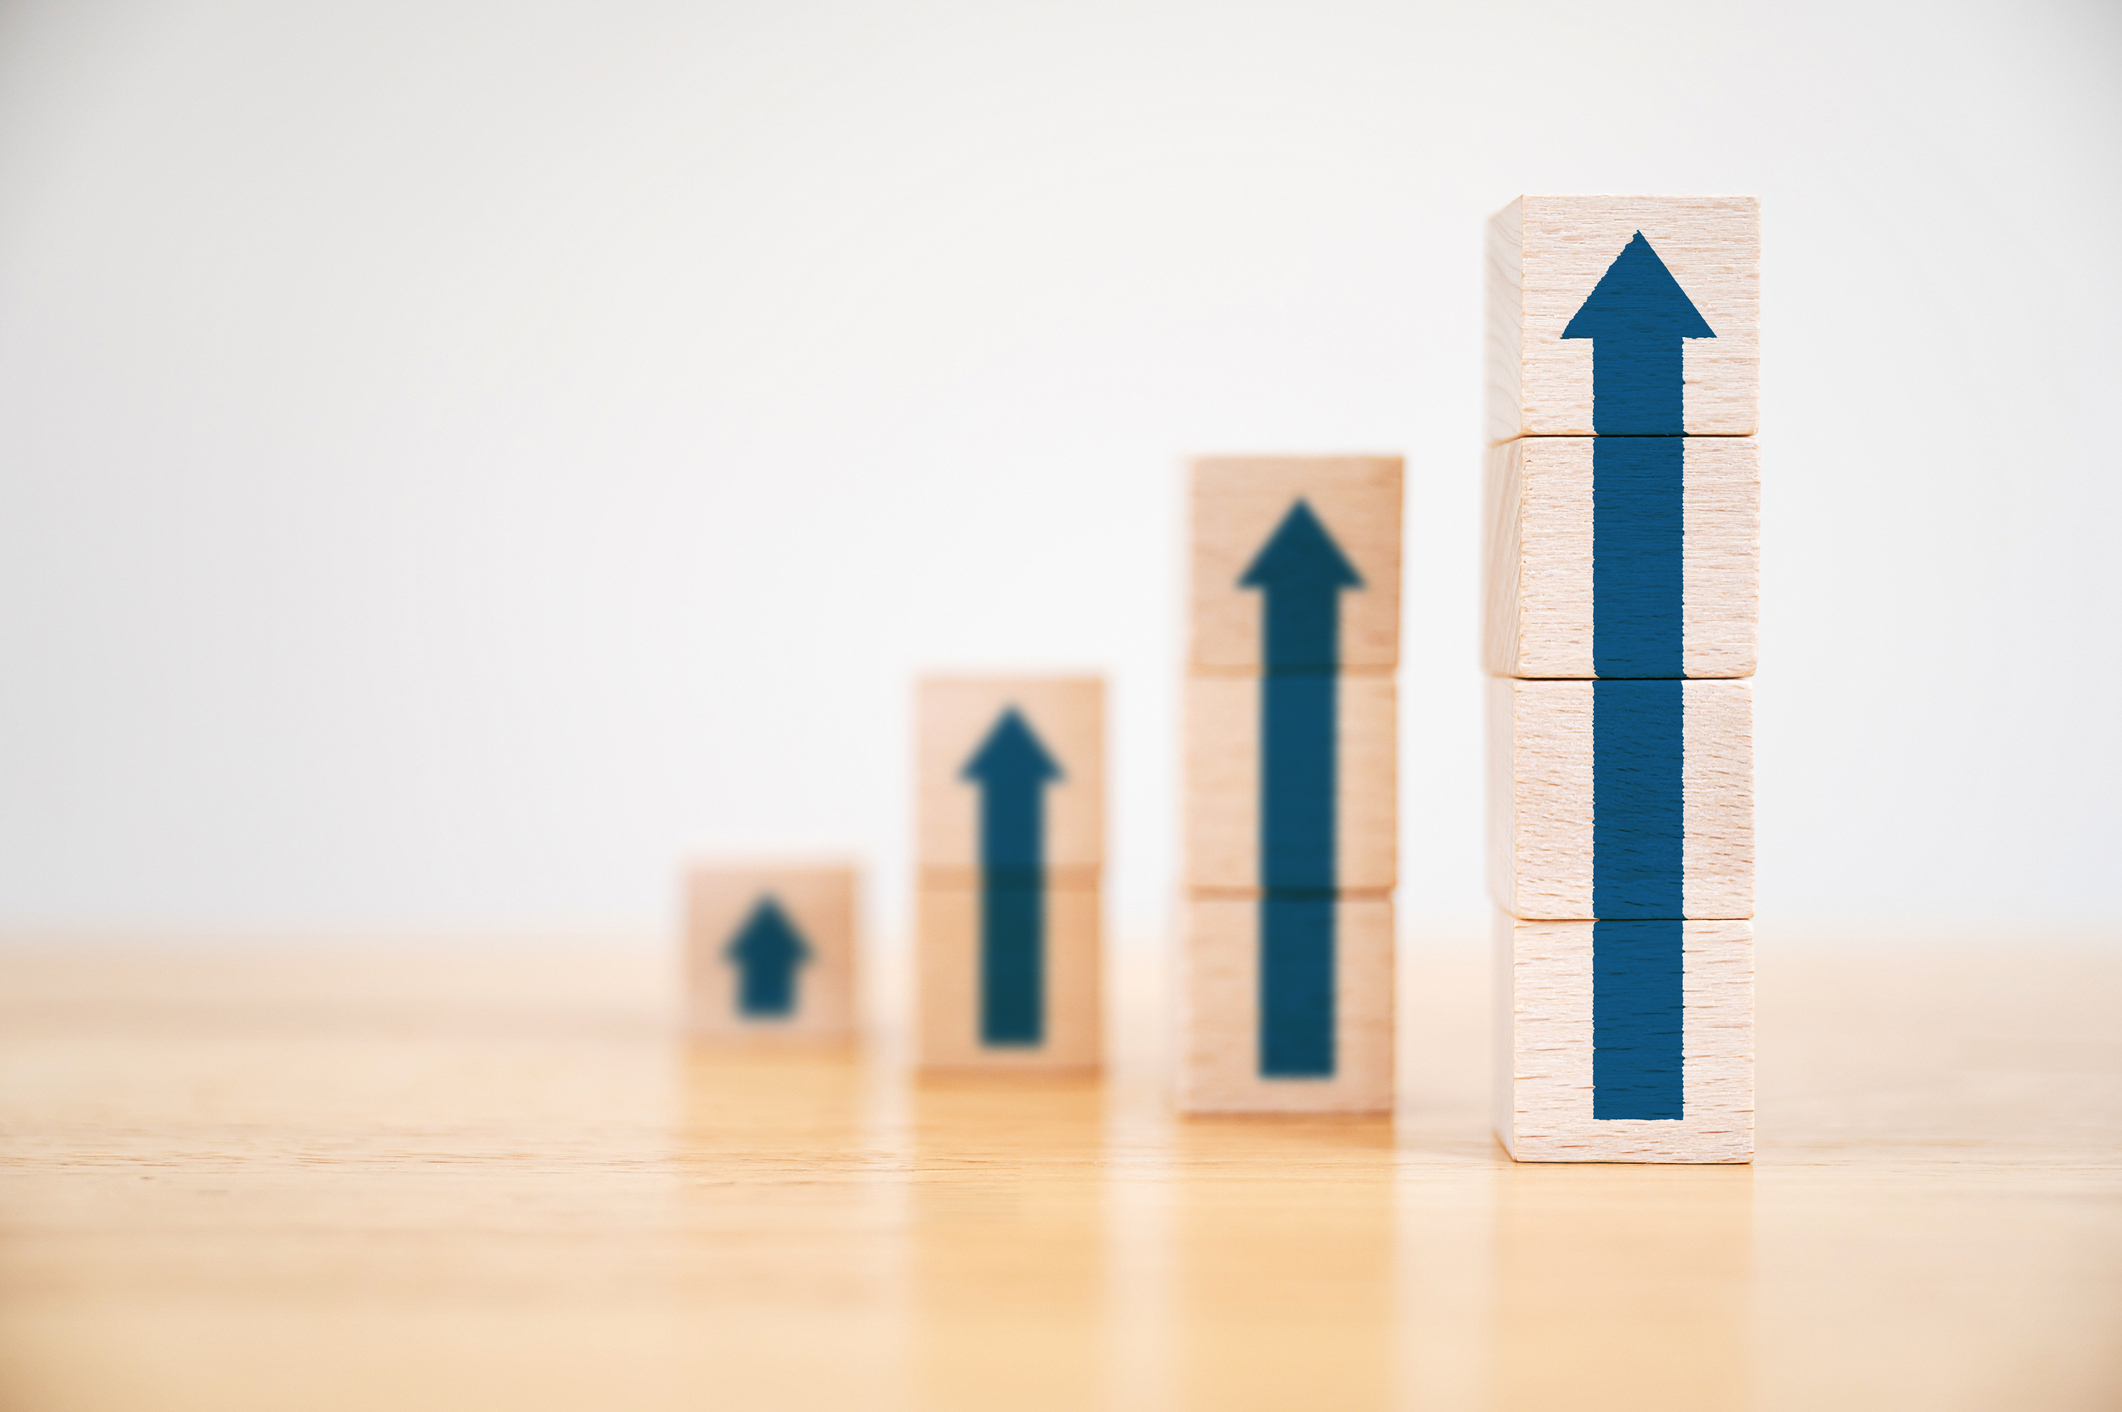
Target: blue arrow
767,949
1301,573
1637,317
1013,770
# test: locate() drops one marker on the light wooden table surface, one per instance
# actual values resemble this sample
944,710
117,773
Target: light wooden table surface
492,1180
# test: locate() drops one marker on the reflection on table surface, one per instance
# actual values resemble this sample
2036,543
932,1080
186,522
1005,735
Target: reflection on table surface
499,1180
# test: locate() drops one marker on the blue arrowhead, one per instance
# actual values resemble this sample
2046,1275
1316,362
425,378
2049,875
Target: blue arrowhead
1636,316
1013,769
1302,572
767,950
1011,756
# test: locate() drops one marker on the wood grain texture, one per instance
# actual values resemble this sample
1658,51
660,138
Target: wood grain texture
1223,784
819,898
1538,601
1219,1020
953,716
1237,502
1541,810
947,1002
1545,256
1543,1038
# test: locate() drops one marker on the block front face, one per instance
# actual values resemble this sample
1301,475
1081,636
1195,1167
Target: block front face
1693,297
1010,769
770,949
955,1017
1553,1016
1332,571
1656,821
1302,1058
1223,783
1543,606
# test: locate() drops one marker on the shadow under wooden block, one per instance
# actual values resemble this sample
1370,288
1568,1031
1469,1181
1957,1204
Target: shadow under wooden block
1547,254
770,949
1242,505
1007,979
1621,798
1016,763
1223,769
1540,614
1600,1022
1228,1055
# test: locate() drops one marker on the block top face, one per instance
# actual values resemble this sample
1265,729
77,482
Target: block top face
1010,775
1624,315
1295,563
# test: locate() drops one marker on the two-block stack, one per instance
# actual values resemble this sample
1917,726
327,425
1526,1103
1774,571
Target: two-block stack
1291,785
1623,494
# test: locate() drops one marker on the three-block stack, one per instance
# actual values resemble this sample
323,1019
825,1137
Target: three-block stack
1291,785
1623,493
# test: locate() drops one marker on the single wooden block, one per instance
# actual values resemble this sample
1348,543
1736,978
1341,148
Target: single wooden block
1224,799
1621,799
1692,297
1007,979
770,949
1545,605
1313,541
1010,773
1625,1041
1286,1005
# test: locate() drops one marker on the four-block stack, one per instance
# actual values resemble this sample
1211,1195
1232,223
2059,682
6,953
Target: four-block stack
1623,494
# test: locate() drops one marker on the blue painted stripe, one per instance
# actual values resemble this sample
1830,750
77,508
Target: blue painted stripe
1638,570
1297,987
1012,964
1637,1019
1639,825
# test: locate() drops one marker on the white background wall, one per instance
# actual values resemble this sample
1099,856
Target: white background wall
456,454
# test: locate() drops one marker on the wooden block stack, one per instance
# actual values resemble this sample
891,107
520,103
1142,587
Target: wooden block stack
1291,785
770,950
1623,494
1010,790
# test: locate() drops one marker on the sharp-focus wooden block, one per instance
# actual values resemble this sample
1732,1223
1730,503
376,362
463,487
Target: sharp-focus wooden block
1052,761
1223,1050
770,949
1223,768
1540,555
1660,823
952,1021
1567,1053
1546,254
1240,504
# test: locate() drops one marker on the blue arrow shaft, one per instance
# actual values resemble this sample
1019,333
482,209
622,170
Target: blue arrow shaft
1638,571
1638,386
1012,912
1296,986
1299,774
767,988
1637,1015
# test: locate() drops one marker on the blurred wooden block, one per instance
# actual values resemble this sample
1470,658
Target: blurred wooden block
1540,608
1657,822
968,1015
1223,769
1547,254
1243,504
770,949
1025,755
1601,1024
1305,1057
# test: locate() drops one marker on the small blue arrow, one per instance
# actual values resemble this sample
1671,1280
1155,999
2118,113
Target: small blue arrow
1637,317
767,950
1013,769
1301,573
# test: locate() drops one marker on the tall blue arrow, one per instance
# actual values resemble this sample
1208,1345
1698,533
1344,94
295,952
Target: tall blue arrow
1301,574
766,950
1013,769
1637,317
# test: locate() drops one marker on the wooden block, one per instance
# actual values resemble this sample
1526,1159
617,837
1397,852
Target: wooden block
1542,608
770,949
1602,1025
1546,256
1024,755
1656,821
1241,504
970,1016
1223,770
1303,1059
